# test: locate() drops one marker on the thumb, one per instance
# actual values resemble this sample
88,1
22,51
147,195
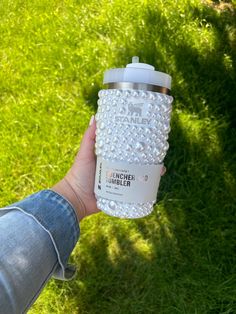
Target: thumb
86,150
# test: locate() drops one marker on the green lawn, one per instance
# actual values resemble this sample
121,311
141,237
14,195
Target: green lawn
181,259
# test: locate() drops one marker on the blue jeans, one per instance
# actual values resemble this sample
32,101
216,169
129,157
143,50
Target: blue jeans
37,236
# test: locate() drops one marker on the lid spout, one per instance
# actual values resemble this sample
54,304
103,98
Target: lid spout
135,59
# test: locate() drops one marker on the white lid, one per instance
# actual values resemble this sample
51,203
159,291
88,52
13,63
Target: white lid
136,72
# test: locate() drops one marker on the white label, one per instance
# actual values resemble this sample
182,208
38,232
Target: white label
124,182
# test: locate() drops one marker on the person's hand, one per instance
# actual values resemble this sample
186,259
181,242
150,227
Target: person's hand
78,184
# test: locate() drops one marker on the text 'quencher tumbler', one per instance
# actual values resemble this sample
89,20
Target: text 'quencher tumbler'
133,122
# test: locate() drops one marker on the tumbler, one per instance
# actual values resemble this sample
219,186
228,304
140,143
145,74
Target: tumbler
133,122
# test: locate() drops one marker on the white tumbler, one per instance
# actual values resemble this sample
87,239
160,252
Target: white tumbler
133,122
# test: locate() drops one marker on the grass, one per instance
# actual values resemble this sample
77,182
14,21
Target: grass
181,259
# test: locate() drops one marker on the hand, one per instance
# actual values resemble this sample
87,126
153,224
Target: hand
78,184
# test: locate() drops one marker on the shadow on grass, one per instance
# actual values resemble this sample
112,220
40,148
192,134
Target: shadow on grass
90,94
185,260
181,258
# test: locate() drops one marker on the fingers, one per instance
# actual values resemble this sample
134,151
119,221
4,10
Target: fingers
163,171
88,141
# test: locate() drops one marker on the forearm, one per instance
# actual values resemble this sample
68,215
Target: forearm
27,261
65,189
37,236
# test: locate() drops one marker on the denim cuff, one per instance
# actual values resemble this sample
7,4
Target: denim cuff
57,217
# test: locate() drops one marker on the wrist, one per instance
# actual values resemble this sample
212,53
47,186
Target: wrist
65,189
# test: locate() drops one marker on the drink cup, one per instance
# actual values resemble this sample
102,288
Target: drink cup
133,122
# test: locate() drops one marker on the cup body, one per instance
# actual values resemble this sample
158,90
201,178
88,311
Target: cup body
131,143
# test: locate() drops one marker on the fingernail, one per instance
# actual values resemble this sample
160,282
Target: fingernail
91,120
163,171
